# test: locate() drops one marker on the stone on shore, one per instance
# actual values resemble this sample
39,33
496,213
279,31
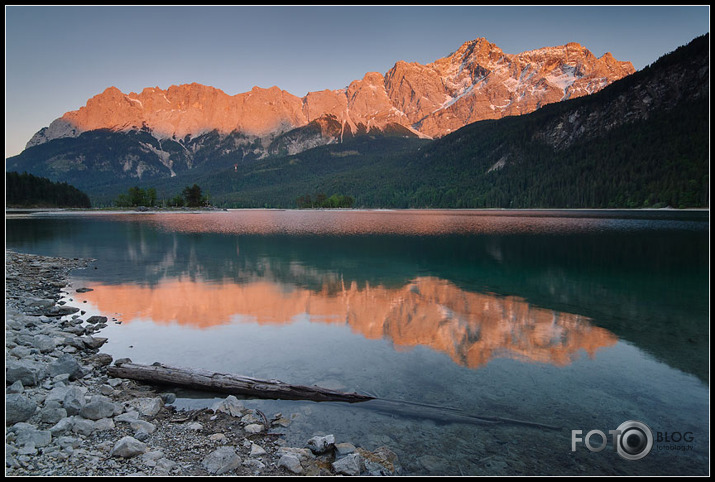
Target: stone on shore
253,428
257,450
348,465
66,364
83,426
230,405
290,462
45,343
73,400
98,407
94,341
26,434
344,448
52,412
18,408
147,407
221,460
63,426
320,445
128,447
15,387
28,372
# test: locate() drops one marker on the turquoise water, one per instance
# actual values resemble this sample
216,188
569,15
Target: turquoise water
577,319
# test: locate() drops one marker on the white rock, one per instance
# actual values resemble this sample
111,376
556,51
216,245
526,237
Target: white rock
128,447
230,405
253,428
148,407
320,445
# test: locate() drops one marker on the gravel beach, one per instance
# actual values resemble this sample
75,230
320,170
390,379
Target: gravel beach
65,416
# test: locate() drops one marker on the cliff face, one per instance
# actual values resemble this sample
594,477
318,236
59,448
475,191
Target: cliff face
677,79
476,82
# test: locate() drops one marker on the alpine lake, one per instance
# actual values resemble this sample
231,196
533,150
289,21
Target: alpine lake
577,321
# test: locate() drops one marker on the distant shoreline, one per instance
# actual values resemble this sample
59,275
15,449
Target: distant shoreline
215,209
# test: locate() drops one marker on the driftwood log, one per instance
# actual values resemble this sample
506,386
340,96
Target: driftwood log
227,383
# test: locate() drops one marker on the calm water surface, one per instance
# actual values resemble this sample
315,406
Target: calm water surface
577,319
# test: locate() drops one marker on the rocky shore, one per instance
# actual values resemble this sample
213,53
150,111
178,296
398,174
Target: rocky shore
65,416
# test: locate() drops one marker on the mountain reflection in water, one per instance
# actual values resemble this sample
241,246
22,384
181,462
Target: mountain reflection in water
472,328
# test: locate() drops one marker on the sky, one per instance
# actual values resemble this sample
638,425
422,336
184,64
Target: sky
58,57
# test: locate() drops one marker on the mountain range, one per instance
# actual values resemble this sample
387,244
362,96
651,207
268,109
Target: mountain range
478,81
418,136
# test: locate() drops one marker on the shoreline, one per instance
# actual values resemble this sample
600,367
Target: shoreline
66,416
12,210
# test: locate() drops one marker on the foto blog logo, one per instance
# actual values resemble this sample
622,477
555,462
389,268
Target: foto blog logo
632,440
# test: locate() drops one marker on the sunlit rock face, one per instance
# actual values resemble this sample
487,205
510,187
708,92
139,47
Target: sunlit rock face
187,110
471,328
482,82
478,81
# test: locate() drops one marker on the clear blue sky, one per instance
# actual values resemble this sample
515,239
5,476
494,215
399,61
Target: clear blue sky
56,58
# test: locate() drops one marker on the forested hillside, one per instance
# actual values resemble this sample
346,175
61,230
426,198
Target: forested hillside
26,190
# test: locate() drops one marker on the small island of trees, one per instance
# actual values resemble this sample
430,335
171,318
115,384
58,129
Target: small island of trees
191,197
323,202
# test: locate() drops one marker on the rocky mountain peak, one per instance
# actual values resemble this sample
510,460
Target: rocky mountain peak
477,81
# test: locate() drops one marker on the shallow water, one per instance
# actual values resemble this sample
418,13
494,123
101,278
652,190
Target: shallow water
576,319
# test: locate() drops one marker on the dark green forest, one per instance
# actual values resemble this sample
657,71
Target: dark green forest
660,162
26,190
